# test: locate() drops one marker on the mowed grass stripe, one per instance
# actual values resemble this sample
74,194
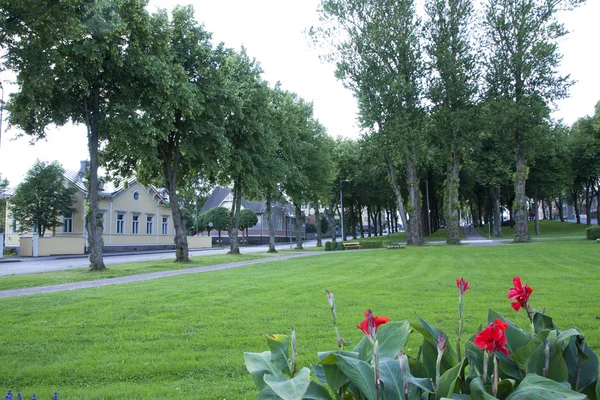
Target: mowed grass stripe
184,337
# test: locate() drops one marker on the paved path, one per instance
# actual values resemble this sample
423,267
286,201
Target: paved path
144,277
62,263
473,237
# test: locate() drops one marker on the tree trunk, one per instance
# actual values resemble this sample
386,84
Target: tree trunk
521,224
414,233
536,216
496,210
369,221
298,226
559,204
332,225
269,213
588,204
549,205
181,245
575,198
396,190
598,203
234,218
92,221
318,225
362,227
451,214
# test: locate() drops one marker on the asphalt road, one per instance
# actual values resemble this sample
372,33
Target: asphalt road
51,264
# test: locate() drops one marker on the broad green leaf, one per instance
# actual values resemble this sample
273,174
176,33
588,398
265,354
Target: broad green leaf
542,322
592,391
557,368
334,376
392,338
290,389
316,392
429,349
521,356
259,364
449,379
478,391
279,346
267,394
319,373
537,387
515,337
359,373
589,366
392,378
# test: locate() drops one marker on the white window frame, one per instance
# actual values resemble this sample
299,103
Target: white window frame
149,224
120,223
133,195
68,223
165,225
135,224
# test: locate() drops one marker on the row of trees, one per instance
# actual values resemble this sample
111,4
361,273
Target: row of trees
160,101
449,92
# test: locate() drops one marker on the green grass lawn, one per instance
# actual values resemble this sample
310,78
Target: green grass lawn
547,229
438,235
184,337
115,271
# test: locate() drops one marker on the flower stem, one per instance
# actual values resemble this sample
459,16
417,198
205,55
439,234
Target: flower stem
547,357
460,327
376,368
530,315
495,377
486,359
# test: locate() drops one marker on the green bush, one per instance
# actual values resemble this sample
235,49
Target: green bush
371,244
593,232
329,246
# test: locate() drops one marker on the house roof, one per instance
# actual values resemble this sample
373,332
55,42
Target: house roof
219,194
108,188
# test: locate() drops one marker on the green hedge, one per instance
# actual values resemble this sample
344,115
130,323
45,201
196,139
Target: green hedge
329,246
371,244
593,232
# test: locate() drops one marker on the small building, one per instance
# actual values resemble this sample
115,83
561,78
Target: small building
135,217
283,216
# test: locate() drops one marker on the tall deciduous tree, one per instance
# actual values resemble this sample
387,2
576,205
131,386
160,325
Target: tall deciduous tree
70,63
42,197
247,134
452,88
171,119
379,57
521,39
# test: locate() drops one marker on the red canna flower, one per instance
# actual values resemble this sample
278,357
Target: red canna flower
493,338
520,293
462,285
371,323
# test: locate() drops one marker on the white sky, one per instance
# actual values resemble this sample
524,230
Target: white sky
273,32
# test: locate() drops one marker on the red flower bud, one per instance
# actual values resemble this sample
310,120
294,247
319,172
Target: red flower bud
371,323
462,285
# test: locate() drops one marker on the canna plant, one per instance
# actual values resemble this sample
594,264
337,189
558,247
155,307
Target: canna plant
502,361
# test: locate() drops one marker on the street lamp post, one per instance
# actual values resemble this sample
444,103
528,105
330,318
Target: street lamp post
342,208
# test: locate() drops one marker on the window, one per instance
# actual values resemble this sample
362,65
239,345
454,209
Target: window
14,224
68,223
136,196
278,223
149,220
120,223
135,224
165,225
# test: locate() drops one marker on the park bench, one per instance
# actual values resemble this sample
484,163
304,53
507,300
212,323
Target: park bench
396,245
351,245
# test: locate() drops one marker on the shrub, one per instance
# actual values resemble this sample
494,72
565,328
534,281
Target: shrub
367,244
329,246
593,232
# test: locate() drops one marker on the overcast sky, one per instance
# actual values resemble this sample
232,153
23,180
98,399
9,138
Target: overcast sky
273,32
